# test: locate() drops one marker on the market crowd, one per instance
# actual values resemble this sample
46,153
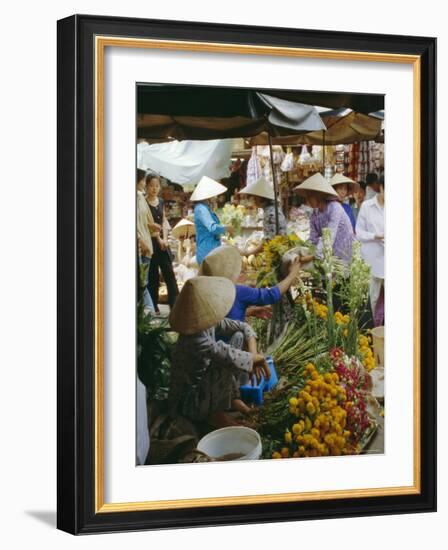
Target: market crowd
216,351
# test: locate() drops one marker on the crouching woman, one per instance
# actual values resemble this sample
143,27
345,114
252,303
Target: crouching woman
204,368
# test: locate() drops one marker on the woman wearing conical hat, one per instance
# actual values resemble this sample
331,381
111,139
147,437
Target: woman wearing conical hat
204,368
208,227
327,212
226,261
263,196
345,187
184,232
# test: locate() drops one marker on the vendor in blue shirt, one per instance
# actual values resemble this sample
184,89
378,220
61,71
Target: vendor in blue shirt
207,224
345,187
226,262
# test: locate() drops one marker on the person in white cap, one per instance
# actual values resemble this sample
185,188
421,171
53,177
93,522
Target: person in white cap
263,197
204,368
345,187
208,227
327,212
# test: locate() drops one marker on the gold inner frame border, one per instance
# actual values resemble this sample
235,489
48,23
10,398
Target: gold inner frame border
101,42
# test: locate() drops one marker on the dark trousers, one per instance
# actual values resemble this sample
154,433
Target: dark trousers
161,261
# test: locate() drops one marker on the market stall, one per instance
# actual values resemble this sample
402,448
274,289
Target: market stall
326,397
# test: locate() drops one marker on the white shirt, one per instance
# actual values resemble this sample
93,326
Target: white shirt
370,222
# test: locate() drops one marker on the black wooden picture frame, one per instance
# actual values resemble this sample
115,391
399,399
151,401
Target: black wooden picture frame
76,475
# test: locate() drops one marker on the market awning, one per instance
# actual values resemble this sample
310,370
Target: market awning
222,102
350,128
164,113
185,162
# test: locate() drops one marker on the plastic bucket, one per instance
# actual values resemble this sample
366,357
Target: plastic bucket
378,345
232,443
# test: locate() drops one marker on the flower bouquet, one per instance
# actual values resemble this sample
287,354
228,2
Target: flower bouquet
232,215
325,415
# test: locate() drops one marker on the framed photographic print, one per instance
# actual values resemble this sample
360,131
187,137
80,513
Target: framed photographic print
229,350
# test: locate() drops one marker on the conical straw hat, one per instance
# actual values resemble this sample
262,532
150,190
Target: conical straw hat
316,183
185,228
261,188
224,261
201,304
206,189
339,178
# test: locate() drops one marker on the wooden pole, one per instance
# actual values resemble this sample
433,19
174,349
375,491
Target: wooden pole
274,180
323,153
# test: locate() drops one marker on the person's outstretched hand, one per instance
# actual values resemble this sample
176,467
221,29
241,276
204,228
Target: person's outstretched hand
295,266
260,368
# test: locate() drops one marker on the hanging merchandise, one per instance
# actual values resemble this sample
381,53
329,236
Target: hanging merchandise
310,160
352,168
317,153
330,154
254,171
376,157
288,162
295,175
328,172
265,161
339,157
304,155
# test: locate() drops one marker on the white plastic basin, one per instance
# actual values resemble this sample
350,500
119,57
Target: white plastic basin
232,443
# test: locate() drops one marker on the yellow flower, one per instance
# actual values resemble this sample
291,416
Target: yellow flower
276,455
310,408
297,429
305,395
284,452
288,437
